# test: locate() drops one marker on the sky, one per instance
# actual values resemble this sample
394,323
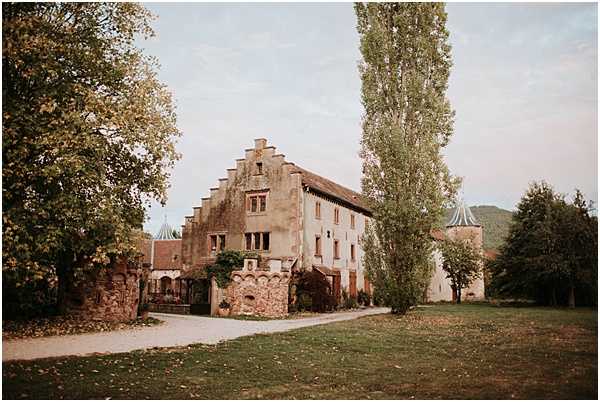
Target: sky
523,86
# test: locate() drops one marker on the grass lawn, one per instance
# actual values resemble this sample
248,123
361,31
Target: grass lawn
439,351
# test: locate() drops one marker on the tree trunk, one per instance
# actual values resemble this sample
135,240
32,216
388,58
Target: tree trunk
458,294
571,296
64,274
63,285
453,294
553,296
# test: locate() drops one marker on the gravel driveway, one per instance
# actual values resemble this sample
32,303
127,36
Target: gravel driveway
178,330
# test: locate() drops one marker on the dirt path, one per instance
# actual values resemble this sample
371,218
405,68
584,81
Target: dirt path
178,330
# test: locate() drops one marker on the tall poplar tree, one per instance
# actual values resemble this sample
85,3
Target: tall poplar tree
406,123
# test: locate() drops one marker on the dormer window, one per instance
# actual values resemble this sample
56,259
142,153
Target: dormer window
259,168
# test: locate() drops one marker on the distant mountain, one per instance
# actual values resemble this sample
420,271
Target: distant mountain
495,221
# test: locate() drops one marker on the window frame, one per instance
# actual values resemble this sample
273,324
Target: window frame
218,236
318,246
336,249
261,236
257,202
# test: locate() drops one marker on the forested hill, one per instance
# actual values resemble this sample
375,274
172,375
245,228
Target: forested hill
495,221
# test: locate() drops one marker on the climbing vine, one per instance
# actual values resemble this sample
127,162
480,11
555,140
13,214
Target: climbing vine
227,262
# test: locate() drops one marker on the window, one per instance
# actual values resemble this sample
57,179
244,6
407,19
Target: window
216,243
262,202
336,249
351,221
336,216
259,169
256,203
258,241
248,241
352,253
318,210
318,245
213,243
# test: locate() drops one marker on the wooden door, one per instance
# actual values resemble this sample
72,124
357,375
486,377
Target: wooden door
353,284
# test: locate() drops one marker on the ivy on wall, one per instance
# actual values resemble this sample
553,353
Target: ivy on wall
227,262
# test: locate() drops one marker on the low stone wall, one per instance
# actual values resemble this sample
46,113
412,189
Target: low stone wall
260,293
112,296
169,308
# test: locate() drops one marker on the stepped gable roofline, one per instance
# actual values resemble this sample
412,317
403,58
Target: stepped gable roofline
320,184
462,216
165,233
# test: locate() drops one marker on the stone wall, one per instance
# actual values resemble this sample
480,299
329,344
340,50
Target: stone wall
260,293
169,308
112,296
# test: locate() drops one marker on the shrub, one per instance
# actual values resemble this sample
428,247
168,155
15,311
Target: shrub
364,298
348,302
304,302
313,286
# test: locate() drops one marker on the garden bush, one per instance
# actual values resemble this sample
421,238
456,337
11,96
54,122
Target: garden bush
364,299
348,302
313,292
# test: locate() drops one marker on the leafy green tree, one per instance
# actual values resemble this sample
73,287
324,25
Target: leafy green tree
88,138
462,264
551,251
406,123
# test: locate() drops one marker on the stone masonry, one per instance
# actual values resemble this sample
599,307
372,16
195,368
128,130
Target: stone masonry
259,293
113,296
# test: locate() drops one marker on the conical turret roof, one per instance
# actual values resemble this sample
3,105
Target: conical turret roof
165,232
462,216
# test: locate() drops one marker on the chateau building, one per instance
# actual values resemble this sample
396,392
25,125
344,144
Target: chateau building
294,219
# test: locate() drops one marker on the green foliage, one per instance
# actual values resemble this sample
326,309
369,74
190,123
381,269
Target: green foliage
313,292
88,138
304,302
348,302
364,299
227,261
551,251
176,234
407,122
462,264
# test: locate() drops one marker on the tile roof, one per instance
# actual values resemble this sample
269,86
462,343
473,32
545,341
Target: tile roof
332,189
